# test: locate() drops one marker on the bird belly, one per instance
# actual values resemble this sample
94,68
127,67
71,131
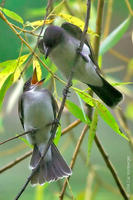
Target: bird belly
63,57
38,113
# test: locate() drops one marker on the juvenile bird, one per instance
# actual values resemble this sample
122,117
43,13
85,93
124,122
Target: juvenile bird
37,111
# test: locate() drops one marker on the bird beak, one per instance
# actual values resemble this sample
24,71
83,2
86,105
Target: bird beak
34,79
47,52
40,82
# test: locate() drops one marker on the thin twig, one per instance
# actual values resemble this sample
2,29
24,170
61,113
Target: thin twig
129,7
119,55
54,127
108,18
123,122
111,168
65,93
74,159
16,161
98,27
2,3
25,133
33,52
86,126
71,126
64,131
100,147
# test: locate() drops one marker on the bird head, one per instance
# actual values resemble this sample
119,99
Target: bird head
52,37
33,82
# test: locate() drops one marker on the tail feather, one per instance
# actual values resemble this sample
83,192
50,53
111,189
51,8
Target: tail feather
34,178
49,170
59,162
35,157
107,93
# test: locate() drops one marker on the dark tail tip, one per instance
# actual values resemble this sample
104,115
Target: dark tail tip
107,93
52,170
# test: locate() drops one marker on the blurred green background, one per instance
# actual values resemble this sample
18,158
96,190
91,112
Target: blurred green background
103,185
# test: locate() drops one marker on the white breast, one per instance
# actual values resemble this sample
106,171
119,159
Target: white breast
38,113
63,56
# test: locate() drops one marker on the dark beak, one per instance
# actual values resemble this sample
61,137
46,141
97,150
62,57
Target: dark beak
47,52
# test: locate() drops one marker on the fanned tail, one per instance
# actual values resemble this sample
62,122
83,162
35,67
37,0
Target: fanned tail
49,170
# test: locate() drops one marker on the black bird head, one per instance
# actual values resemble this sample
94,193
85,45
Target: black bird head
52,37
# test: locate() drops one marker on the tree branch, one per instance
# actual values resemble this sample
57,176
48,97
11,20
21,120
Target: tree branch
25,133
65,92
16,161
99,146
19,159
111,168
74,159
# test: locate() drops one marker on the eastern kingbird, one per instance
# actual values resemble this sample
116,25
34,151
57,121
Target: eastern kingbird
37,111
61,44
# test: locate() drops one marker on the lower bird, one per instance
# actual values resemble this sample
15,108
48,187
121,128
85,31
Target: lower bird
37,111
61,44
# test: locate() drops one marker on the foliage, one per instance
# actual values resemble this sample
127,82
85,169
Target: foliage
11,70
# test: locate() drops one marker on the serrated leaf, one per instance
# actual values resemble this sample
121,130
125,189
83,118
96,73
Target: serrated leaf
38,68
12,15
112,39
58,135
9,66
76,111
76,21
109,119
8,82
39,23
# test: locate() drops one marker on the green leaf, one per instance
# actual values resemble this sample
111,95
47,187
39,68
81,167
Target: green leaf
129,111
77,112
12,15
58,135
87,98
103,112
109,119
5,87
92,131
26,141
76,21
9,66
114,37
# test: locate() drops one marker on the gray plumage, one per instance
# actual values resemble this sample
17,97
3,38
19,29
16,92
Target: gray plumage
60,44
37,110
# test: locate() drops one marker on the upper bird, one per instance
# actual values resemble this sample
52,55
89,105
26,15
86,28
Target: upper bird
37,111
61,44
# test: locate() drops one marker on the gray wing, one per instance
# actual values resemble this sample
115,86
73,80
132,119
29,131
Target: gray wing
53,102
76,32
55,106
20,110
